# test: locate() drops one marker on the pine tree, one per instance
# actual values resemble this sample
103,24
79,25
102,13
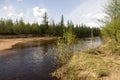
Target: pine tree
62,21
45,19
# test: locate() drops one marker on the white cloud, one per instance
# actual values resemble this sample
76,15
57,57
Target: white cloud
88,12
98,16
9,9
93,16
15,15
20,15
11,12
38,12
91,24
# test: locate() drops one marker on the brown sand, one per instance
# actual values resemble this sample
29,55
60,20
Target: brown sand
8,43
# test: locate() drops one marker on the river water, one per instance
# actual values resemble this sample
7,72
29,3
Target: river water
31,61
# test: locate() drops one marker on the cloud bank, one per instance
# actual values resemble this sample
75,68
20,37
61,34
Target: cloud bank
88,12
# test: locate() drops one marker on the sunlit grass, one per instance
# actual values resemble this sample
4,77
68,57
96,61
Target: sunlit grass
86,66
111,48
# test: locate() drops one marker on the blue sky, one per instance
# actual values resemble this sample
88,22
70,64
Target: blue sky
79,11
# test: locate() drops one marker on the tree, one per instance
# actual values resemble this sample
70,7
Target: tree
45,19
62,21
2,26
9,26
45,24
21,26
112,20
51,29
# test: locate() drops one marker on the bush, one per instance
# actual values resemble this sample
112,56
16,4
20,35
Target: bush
64,49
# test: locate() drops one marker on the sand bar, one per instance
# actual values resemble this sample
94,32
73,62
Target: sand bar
8,43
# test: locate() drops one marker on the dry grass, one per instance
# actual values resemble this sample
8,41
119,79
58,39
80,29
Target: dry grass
88,66
110,48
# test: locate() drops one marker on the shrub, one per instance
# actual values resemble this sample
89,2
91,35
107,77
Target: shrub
63,48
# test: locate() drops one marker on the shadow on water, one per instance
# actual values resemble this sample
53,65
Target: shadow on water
33,44
28,61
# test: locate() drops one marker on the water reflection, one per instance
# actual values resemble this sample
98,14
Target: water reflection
25,64
33,63
86,43
37,56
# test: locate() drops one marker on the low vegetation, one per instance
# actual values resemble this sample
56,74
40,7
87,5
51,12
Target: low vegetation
111,48
89,66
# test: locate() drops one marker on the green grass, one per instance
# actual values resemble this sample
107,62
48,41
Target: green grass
82,66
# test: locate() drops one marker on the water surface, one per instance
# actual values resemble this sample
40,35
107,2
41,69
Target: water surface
31,62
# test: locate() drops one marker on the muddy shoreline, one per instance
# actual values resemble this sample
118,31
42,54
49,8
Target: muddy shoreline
8,43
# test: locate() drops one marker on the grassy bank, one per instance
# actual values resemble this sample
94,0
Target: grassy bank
102,63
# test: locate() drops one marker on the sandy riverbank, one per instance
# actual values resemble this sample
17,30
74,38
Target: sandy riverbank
8,43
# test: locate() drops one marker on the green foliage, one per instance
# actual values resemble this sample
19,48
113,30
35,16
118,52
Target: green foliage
84,31
111,21
62,21
64,48
69,36
8,27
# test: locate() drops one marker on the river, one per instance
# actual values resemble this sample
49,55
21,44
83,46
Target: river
30,62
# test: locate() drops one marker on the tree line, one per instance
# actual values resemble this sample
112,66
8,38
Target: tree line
8,27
